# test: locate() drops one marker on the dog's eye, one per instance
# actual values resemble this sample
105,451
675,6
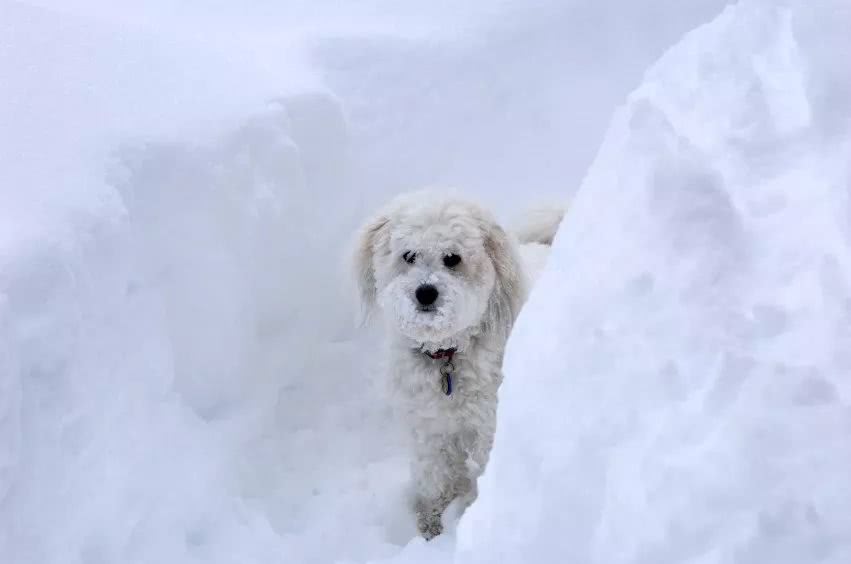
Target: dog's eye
451,261
409,257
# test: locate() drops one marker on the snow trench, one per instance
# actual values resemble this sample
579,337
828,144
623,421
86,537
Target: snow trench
181,377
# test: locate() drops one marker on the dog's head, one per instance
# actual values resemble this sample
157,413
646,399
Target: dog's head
438,267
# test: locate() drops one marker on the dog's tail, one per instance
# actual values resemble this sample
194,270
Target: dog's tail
540,224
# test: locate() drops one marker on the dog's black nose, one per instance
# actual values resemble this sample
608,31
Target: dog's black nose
426,294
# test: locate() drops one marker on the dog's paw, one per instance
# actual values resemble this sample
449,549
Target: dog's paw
429,525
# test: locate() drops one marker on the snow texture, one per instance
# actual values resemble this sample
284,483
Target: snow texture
677,389
180,376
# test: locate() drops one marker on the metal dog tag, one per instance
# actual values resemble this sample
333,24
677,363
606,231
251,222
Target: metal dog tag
446,377
446,384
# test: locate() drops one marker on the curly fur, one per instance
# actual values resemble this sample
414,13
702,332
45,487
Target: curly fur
478,301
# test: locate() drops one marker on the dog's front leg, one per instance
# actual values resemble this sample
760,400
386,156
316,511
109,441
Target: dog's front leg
476,442
435,480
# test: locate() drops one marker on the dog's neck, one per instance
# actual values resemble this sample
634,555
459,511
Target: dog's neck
461,343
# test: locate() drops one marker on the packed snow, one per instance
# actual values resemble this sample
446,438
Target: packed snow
181,375
677,389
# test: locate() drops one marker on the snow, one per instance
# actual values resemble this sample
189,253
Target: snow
180,375
677,387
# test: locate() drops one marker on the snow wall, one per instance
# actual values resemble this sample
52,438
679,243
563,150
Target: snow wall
678,388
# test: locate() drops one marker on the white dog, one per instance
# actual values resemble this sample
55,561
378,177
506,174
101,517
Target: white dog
451,282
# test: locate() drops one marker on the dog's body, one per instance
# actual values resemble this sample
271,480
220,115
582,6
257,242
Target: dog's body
451,282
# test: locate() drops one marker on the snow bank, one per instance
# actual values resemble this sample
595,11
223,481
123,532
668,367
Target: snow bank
140,233
677,387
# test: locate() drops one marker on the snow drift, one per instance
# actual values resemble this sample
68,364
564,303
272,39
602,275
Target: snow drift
677,387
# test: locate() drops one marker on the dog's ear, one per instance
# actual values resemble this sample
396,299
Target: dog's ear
509,291
363,262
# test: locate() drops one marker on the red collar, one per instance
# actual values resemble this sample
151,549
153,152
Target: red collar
447,369
441,354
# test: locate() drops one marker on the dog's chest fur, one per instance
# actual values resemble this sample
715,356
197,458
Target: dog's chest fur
421,400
